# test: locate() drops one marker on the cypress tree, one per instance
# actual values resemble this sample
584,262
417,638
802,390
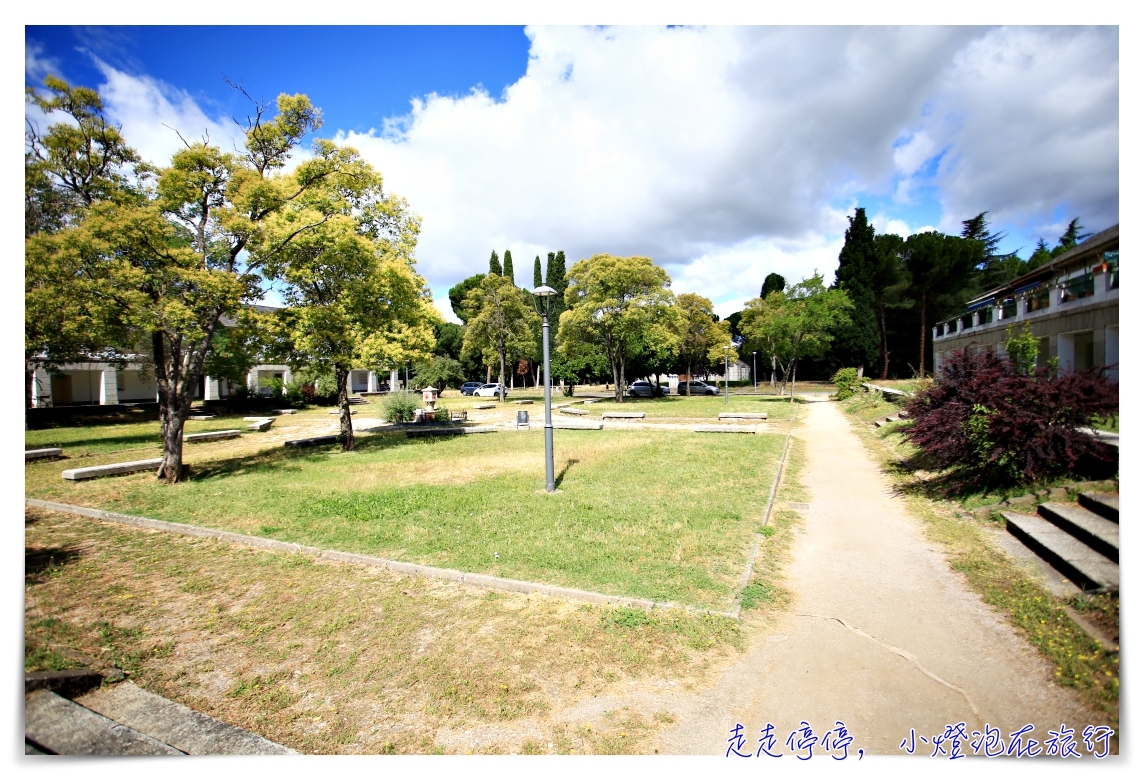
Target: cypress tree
537,279
494,264
773,283
508,266
857,344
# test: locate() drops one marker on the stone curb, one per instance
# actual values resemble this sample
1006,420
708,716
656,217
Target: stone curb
400,567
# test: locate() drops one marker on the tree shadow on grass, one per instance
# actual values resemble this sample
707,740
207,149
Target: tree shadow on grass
560,477
292,459
41,562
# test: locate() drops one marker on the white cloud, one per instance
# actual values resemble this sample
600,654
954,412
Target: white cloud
723,152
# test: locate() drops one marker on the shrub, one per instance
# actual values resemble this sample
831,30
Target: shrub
1004,427
399,406
442,414
847,381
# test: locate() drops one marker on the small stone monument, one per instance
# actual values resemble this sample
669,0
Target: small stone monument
429,396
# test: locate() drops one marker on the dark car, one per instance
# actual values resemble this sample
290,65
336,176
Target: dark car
697,388
645,389
470,387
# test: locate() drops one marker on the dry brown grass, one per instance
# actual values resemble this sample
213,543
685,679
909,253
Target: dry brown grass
332,658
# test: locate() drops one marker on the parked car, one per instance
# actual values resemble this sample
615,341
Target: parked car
491,390
697,388
645,389
470,387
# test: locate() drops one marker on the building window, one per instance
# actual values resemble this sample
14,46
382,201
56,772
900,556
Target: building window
1112,262
1038,300
985,315
1080,286
966,321
1008,308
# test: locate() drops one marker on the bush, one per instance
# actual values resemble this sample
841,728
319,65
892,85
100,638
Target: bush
847,381
1005,427
398,407
442,414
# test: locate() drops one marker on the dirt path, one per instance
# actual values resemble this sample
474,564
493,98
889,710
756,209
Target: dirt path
882,635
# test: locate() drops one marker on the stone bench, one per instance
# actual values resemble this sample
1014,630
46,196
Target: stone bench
742,415
577,412
260,426
485,406
524,401
259,418
577,425
284,411
91,472
201,417
192,438
724,429
40,454
624,415
315,441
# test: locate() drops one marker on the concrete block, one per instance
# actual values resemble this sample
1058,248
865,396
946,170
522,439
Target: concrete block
624,415
577,412
284,411
69,729
485,406
68,683
201,417
256,419
742,415
111,469
339,411
260,426
40,454
180,727
315,441
524,401
191,438
724,429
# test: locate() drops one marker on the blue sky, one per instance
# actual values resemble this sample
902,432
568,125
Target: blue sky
722,153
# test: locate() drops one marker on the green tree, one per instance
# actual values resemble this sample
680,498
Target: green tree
995,269
441,372
1071,237
857,343
459,292
503,325
1040,256
537,279
556,277
940,268
161,270
494,265
701,335
508,272
351,291
772,283
614,304
889,283
1022,350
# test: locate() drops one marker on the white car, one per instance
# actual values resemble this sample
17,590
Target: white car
489,391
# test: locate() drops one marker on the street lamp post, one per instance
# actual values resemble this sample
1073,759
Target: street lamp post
727,374
543,302
755,371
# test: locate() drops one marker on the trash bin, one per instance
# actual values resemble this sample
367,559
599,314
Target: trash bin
522,419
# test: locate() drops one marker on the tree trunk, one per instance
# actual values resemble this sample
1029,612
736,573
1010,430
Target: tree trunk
885,343
346,432
620,384
793,377
501,379
922,350
616,382
29,381
774,381
172,469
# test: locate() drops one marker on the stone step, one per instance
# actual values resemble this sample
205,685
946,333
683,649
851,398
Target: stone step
192,438
1080,563
742,415
43,452
724,429
256,419
574,412
173,724
54,724
201,417
68,682
1098,533
111,469
1107,505
624,415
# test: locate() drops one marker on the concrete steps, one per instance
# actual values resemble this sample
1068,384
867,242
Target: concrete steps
1097,532
1081,544
125,720
1107,505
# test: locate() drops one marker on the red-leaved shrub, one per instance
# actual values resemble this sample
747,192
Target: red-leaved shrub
1002,427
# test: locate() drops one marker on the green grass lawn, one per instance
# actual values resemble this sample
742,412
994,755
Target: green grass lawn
136,440
657,514
706,408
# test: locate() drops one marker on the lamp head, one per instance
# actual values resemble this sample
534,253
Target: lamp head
544,296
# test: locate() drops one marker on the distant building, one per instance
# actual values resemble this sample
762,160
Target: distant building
1071,304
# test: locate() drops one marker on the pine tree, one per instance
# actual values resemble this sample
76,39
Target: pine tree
857,343
508,266
773,283
537,279
1040,256
1071,237
494,265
